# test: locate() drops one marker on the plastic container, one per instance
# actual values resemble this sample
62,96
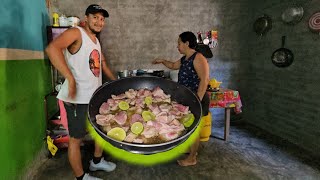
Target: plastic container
55,17
63,21
73,21
206,129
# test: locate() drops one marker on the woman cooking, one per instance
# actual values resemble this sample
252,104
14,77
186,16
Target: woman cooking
194,74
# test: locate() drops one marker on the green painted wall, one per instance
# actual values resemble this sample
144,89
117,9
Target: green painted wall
23,85
22,115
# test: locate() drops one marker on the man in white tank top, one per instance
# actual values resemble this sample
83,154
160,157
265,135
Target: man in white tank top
77,55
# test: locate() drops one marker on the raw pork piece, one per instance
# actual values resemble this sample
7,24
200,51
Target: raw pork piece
131,94
130,137
183,109
104,119
169,136
104,108
136,118
121,117
118,97
149,132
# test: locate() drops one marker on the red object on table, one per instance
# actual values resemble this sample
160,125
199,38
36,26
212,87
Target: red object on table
228,99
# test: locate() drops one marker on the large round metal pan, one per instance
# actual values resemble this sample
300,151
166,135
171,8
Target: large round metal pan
178,93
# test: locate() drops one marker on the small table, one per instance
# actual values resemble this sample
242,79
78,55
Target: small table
228,99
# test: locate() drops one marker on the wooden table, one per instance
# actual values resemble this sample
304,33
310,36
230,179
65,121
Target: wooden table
228,99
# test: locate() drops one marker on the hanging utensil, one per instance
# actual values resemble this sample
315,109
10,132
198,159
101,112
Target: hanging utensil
292,15
282,57
314,22
262,25
204,50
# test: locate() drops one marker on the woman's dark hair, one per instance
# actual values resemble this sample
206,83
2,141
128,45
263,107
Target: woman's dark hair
190,37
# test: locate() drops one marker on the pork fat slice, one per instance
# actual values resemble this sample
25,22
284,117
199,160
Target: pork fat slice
104,119
121,117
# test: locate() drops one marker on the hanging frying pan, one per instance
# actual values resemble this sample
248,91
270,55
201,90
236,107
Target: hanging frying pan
262,25
282,57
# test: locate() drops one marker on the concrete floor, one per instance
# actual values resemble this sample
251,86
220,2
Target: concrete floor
246,155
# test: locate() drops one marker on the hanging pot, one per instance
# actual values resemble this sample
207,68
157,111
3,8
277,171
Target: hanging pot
282,57
292,15
262,25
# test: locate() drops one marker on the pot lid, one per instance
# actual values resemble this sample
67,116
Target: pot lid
292,15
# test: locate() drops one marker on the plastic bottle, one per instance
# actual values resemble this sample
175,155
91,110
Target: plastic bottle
55,22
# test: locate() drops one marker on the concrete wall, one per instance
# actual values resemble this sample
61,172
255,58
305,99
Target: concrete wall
284,101
138,31
281,101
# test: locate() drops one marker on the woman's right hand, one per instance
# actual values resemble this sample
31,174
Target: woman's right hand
157,61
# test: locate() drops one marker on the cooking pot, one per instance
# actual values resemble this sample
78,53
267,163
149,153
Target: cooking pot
158,73
292,15
262,25
282,57
179,93
73,21
124,73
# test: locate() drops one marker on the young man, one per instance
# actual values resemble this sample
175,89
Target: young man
77,55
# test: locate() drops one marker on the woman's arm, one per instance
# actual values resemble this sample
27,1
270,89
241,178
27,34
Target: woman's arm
169,64
201,66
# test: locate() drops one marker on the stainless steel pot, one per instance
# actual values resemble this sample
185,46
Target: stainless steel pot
124,73
178,93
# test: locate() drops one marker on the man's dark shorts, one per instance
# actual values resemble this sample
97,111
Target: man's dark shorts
77,116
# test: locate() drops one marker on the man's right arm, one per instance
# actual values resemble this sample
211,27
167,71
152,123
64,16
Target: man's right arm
55,54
